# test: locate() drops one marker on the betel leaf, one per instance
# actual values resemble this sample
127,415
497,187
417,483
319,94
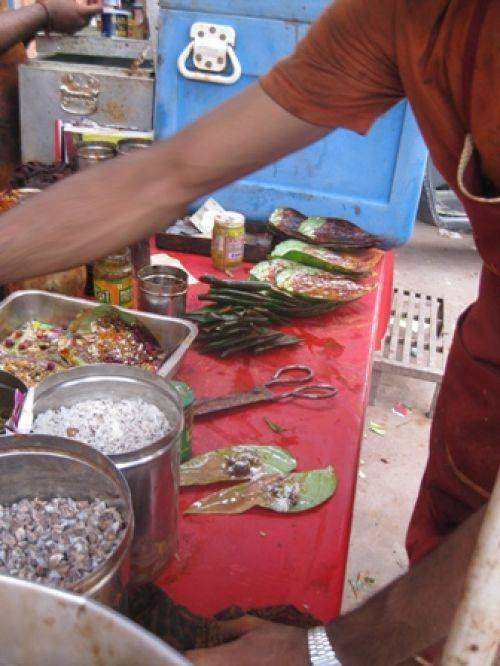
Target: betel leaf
288,493
312,283
355,263
236,463
316,486
265,271
84,320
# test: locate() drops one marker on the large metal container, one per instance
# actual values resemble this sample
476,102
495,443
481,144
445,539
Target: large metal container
42,627
151,472
82,78
174,335
45,467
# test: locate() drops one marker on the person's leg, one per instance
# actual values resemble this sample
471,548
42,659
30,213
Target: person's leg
465,436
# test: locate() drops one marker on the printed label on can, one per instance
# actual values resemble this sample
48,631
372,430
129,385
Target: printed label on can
114,292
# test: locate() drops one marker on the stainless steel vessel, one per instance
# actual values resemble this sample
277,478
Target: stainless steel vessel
174,335
163,290
93,153
44,466
151,472
42,627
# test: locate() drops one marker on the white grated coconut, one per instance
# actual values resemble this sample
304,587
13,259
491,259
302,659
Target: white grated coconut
111,426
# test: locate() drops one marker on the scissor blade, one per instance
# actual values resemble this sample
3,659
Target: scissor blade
212,405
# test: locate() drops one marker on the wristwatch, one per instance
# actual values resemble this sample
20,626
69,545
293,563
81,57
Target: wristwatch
320,649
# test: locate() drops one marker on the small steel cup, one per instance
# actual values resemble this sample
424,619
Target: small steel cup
163,290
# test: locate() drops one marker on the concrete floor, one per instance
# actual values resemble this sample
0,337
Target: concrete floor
392,465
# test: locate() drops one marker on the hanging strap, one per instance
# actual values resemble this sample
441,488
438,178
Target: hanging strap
469,59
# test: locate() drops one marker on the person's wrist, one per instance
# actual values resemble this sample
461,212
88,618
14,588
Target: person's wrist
40,6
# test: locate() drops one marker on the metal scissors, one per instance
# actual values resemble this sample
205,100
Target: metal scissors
288,375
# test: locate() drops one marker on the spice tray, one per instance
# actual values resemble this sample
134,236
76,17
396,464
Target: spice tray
175,336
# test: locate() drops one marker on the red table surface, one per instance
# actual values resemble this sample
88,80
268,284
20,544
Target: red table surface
261,558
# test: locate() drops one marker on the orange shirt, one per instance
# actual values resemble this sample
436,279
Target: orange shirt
9,113
362,56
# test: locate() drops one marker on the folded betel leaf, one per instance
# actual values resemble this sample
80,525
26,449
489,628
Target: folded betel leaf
289,493
236,463
82,323
335,232
315,284
353,263
286,221
265,271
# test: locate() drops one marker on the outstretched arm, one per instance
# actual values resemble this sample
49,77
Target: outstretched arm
104,208
20,25
406,617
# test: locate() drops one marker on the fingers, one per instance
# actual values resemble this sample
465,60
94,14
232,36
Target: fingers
90,8
231,629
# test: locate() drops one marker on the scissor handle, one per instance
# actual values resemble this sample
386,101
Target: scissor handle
315,392
305,371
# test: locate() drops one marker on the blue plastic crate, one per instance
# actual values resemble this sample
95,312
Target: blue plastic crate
374,181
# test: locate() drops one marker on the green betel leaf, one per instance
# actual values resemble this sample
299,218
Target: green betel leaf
303,490
236,463
289,493
316,284
265,271
355,263
235,499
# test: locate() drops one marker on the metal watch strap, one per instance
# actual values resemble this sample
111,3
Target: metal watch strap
320,649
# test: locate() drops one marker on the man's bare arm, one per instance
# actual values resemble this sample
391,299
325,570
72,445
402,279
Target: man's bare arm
403,619
19,25
101,209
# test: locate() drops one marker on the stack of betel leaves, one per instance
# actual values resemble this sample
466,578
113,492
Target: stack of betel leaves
300,279
269,480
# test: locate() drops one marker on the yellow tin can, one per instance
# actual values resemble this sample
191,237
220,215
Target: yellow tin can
228,240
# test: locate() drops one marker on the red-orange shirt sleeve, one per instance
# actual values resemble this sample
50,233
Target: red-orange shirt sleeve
344,72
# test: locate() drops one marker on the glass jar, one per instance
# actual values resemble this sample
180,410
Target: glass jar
113,279
228,240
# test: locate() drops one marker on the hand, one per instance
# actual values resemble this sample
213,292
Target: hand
69,16
258,642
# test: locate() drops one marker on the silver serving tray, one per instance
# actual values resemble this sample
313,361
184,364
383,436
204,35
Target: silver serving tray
175,336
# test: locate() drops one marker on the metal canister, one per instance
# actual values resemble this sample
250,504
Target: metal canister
152,472
44,466
93,153
228,240
187,396
43,626
127,146
141,254
163,290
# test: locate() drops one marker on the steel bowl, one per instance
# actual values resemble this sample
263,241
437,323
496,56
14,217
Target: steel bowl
42,627
45,467
151,472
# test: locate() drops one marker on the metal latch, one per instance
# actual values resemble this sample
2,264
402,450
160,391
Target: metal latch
79,93
211,48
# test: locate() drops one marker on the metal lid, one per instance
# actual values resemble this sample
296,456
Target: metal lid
230,219
96,150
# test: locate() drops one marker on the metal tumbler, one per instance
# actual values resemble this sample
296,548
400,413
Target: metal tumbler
163,290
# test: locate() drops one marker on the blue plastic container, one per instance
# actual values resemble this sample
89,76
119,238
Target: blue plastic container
374,181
